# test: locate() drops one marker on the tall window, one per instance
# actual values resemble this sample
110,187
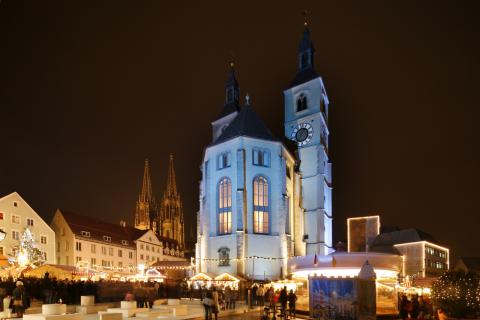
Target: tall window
225,206
301,102
260,205
261,157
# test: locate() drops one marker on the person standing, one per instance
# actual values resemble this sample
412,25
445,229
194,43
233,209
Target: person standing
292,299
47,287
216,305
228,296
207,305
19,299
260,294
283,297
254,294
415,307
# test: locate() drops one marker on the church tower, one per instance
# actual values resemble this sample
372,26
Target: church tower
146,208
306,123
231,106
171,212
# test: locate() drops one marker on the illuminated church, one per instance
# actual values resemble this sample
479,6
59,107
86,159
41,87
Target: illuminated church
165,219
262,202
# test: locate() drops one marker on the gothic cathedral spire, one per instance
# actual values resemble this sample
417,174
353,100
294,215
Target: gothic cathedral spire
171,221
146,207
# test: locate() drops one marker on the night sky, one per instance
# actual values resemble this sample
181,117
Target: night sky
89,89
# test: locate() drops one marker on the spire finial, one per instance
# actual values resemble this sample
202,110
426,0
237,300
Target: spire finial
305,18
247,99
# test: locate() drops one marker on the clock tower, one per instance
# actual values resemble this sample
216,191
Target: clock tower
306,123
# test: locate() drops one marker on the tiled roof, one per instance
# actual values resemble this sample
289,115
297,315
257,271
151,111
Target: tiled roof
246,123
401,236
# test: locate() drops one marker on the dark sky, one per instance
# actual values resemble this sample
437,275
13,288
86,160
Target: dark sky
89,89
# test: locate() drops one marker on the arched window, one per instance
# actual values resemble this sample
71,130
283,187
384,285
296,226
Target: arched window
225,206
261,217
301,102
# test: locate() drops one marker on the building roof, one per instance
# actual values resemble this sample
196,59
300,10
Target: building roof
304,76
98,229
246,123
471,263
401,236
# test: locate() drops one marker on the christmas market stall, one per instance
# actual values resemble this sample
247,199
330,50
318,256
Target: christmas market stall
174,270
201,280
227,280
55,271
387,268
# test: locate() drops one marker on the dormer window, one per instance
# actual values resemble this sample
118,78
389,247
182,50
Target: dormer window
107,238
85,234
301,102
125,242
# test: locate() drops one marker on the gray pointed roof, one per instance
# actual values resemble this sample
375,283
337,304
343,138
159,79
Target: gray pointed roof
401,236
247,123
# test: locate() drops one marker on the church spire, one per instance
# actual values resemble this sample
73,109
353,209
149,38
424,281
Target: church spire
146,191
171,190
231,88
170,220
146,207
305,49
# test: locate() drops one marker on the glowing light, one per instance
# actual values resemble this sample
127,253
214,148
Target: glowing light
22,258
342,272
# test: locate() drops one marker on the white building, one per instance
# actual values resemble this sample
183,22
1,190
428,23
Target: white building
86,241
259,206
15,216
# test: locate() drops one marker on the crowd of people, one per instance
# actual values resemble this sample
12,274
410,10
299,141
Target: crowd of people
274,299
417,307
17,295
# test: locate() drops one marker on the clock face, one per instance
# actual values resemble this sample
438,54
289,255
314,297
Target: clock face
302,134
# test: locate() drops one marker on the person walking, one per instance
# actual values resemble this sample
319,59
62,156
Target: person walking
292,299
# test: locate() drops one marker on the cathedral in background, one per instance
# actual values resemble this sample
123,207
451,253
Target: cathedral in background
164,218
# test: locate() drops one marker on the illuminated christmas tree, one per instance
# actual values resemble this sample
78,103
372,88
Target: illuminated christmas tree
457,293
26,253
